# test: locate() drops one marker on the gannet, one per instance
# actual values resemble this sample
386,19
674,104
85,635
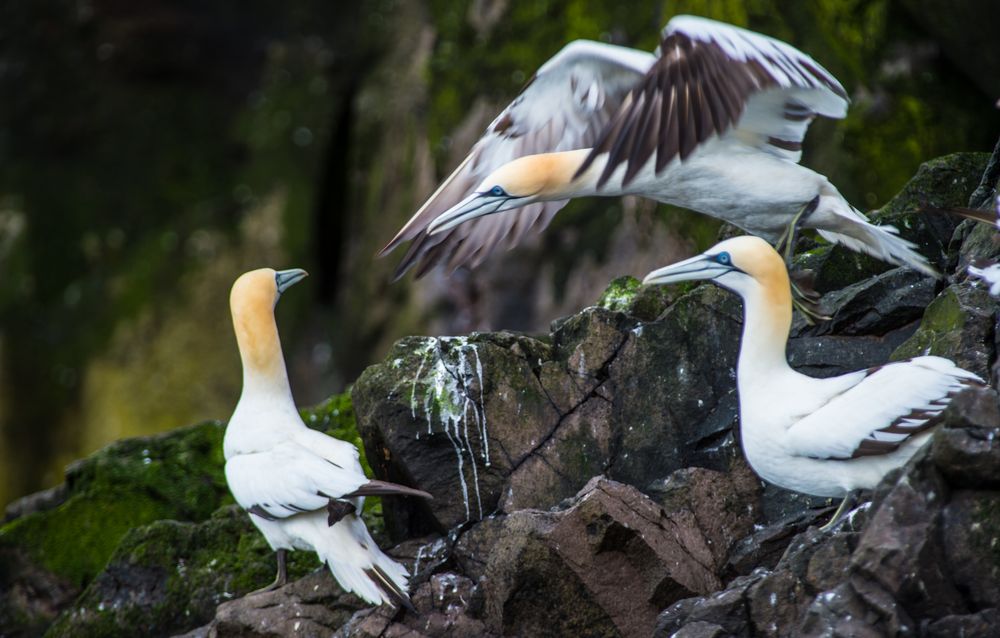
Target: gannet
713,121
303,489
825,437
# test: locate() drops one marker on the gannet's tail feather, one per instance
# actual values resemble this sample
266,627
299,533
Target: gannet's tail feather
854,231
355,561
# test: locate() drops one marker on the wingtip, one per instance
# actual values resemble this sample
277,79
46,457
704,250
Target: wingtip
395,593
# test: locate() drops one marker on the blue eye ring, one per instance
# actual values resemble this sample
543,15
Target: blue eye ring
724,259
496,191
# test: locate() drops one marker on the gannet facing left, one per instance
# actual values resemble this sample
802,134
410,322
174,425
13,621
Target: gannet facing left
303,489
713,121
825,437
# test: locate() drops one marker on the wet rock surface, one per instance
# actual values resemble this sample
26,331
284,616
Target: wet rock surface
587,482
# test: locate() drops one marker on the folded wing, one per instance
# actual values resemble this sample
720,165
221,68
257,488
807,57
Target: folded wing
288,479
883,410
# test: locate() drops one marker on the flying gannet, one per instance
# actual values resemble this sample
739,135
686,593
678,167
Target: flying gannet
303,489
713,121
825,437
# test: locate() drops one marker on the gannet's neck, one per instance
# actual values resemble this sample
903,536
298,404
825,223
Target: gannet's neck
551,176
767,320
264,372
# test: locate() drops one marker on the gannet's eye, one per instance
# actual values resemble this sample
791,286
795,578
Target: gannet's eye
724,259
496,191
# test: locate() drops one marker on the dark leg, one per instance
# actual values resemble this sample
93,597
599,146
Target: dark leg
804,301
845,506
281,579
786,243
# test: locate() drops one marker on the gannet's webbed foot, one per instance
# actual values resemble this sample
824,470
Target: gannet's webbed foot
786,242
845,506
805,299
282,577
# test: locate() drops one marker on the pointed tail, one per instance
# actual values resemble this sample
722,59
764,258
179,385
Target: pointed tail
355,561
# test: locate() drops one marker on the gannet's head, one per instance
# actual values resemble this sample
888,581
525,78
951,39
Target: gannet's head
741,264
251,302
517,183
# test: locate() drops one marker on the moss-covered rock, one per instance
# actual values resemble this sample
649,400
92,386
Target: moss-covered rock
959,325
130,483
168,577
627,294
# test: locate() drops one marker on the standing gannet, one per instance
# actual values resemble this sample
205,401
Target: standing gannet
825,437
714,122
303,489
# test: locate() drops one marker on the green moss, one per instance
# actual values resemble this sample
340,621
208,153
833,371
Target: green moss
619,294
133,482
940,329
626,294
179,572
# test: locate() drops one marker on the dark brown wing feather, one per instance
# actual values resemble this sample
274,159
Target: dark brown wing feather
693,92
908,425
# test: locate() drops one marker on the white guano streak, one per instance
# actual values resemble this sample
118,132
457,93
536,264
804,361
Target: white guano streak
452,366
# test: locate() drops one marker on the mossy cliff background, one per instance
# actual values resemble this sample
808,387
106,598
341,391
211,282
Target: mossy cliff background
150,151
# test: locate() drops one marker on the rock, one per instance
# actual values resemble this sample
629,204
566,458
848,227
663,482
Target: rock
313,606
55,552
37,502
169,576
958,325
613,553
725,610
982,623
965,448
524,422
877,305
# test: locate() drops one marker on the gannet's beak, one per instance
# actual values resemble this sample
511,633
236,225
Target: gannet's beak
697,267
473,206
285,279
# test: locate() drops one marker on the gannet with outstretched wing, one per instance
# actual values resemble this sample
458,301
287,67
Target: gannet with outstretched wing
825,437
714,122
303,489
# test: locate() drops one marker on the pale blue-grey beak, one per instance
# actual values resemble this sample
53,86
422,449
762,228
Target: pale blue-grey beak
473,206
698,267
285,279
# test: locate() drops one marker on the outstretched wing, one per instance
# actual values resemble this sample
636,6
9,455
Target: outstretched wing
713,79
883,410
564,107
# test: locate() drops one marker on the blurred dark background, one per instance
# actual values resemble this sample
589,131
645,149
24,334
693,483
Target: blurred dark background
152,150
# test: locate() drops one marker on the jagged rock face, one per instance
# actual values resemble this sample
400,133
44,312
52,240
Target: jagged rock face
920,561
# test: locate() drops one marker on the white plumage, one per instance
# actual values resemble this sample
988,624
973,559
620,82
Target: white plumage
714,121
303,490
826,437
